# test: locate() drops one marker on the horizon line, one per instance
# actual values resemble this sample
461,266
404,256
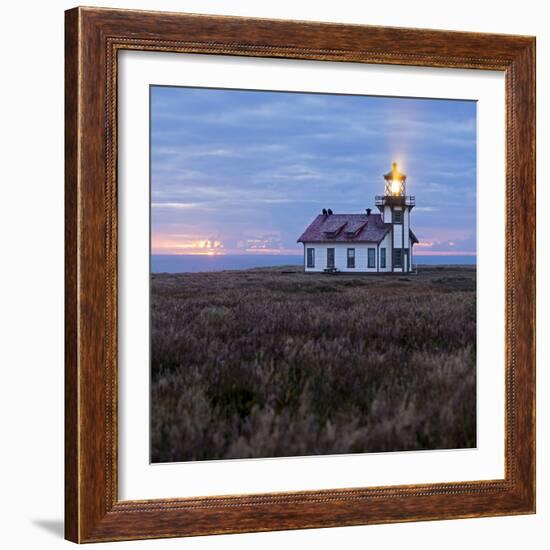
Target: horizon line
300,254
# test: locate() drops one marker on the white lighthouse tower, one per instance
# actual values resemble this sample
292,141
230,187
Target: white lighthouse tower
395,206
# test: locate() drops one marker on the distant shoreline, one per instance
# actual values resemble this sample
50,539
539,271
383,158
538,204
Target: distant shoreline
206,263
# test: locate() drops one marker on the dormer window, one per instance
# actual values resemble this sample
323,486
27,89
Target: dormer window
331,229
354,228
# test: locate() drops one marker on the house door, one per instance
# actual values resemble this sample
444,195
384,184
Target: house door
330,257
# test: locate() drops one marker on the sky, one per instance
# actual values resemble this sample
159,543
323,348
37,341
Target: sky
245,172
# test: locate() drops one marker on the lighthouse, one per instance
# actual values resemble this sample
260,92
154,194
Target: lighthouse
395,207
364,242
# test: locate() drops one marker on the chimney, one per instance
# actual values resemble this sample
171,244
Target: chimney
369,210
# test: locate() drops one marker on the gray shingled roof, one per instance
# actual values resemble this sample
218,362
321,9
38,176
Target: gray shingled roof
357,228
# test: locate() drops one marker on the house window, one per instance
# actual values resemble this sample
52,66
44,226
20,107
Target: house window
397,216
397,257
383,258
371,261
311,257
351,258
330,257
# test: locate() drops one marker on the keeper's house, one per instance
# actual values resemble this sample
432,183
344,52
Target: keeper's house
370,243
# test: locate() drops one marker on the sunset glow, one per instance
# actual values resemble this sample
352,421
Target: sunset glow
443,253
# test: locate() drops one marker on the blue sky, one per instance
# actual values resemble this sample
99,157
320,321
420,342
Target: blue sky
245,172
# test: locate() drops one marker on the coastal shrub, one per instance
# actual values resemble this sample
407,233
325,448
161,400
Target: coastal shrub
260,364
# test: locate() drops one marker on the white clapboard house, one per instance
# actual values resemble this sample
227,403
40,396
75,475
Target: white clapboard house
369,243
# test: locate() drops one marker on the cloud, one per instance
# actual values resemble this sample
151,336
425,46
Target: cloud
177,205
228,162
426,209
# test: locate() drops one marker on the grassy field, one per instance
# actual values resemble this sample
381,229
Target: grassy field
274,362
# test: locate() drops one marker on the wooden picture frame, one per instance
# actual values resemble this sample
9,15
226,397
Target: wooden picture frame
93,511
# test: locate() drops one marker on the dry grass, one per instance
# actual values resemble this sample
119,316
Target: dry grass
265,363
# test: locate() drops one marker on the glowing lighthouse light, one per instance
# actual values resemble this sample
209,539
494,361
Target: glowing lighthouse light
395,182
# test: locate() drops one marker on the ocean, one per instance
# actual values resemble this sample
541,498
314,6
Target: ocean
196,263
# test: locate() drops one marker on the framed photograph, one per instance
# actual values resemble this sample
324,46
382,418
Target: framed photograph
300,275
